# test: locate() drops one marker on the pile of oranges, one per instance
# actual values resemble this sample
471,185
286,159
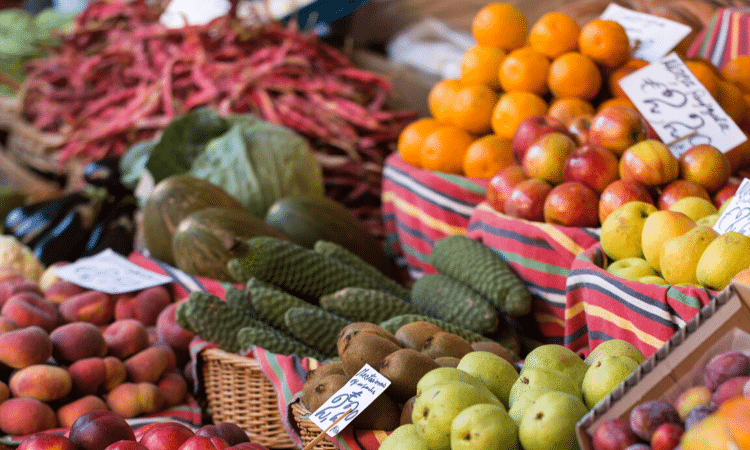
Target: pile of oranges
552,67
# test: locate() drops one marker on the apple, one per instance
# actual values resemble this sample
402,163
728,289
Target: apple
126,445
613,434
592,165
619,192
726,192
166,436
679,189
531,129
501,183
579,128
95,430
248,446
649,162
46,441
705,165
546,157
617,128
230,432
196,442
526,199
631,268
572,204
667,436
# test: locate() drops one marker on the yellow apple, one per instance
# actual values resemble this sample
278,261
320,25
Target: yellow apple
724,258
709,220
653,279
680,255
649,162
658,229
620,234
631,268
694,207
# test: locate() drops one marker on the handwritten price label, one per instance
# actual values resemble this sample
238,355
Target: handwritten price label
679,108
651,37
361,390
111,273
736,216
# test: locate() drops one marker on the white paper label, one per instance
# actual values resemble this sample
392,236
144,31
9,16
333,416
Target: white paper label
179,13
110,272
736,216
679,108
651,37
361,390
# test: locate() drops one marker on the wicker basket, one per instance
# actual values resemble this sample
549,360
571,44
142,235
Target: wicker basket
307,428
35,148
237,391
10,106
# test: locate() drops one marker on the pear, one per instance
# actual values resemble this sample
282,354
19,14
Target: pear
620,233
436,407
484,427
405,437
549,424
557,357
604,375
680,255
526,397
496,372
658,228
724,257
694,207
615,347
539,376
442,375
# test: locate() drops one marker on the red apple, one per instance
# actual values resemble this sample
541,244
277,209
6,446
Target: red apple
705,165
620,192
501,183
726,192
579,127
666,436
204,443
531,129
613,434
617,127
526,199
230,432
546,157
572,204
592,165
166,436
126,445
95,430
649,162
678,189
46,441
248,446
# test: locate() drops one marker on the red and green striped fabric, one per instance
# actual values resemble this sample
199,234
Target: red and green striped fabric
420,206
725,36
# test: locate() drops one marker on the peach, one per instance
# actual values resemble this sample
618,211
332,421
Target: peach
114,373
126,445
30,308
230,432
6,324
77,340
168,331
169,354
166,436
46,441
144,305
125,337
134,399
20,416
95,430
87,375
147,365
49,276
14,285
4,392
25,346
91,306
68,413
61,290
173,388
204,443
43,382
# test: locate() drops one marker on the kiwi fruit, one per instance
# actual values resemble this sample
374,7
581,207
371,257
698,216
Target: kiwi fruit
382,414
323,370
447,361
351,330
404,368
366,348
443,343
406,410
412,335
496,348
316,393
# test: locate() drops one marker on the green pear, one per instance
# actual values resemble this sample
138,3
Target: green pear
541,376
441,375
605,375
550,423
405,437
620,233
557,357
436,407
484,427
526,397
724,257
495,371
614,347
680,255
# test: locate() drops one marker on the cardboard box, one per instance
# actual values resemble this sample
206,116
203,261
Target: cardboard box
721,325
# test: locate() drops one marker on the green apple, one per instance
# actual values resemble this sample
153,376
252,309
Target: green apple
557,357
484,427
615,347
680,255
604,375
495,371
724,257
550,423
405,437
631,268
620,233
652,279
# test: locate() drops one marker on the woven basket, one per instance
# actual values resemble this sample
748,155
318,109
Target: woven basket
10,106
307,428
237,391
35,148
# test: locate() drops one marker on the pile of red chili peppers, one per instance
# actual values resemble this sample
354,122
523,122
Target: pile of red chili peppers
119,76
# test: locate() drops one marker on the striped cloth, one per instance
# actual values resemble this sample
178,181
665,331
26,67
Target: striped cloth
724,37
420,206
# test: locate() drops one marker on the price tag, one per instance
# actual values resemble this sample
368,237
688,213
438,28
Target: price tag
361,390
736,216
110,272
679,108
651,37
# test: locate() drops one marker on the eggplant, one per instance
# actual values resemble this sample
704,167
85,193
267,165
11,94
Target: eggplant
115,231
30,222
64,242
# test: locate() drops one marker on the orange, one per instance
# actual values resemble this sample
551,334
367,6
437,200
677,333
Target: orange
440,98
472,108
411,138
624,101
706,75
524,69
574,74
626,69
553,34
443,150
737,70
500,25
735,413
732,101
487,155
568,108
514,107
605,42
481,64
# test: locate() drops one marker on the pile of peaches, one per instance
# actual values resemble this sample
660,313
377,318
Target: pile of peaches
66,350
576,175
